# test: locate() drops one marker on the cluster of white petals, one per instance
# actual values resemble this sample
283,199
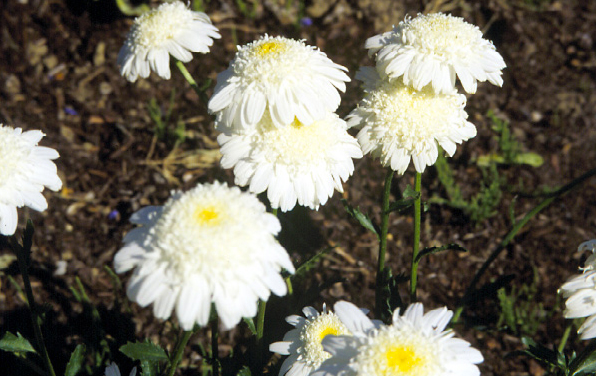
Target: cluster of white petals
113,370
303,344
415,344
295,163
170,29
580,291
212,244
433,49
399,123
25,169
283,76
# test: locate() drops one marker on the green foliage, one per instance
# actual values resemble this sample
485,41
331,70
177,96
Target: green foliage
149,354
18,344
432,250
510,151
580,364
310,263
129,10
163,130
76,361
248,10
520,312
482,205
362,218
388,298
199,5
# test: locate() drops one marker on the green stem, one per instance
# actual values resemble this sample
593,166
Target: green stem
215,347
179,351
383,235
511,234
260,332
23,267
192,81
565,337
416,249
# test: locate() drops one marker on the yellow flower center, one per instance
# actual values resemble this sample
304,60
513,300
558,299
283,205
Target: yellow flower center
207,216
402,358
268,48
328,330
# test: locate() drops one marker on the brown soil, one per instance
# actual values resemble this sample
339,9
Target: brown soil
58,74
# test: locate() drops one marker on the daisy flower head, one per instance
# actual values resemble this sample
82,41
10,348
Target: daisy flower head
399,123
296,163
434,48
282,76
580,291
25,169
303,343
415,344
212,244
170,29
113,370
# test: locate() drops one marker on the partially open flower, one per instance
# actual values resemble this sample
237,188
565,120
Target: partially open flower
415,344
433,49
170,29
400,123
296,163
212,244
113,370
282,76
580,291
25,169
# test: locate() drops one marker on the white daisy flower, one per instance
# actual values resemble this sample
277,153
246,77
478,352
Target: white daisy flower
415,344
580,291
113,370
303,344
400,123
25,169
212,244
170,29
434,49
285,76
295,163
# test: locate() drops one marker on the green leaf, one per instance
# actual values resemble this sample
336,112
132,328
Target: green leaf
362,218
149,368
585,362
144,351
531,159
76,361
245,371
15,344
401,205
251,325
310,263
410,193
432,250
543,354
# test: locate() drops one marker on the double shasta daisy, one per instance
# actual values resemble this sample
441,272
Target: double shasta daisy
210,245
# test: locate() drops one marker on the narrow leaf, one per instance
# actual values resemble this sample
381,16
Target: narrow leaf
401,205
362,218
541,353
585,362
15,344
76,361
310,263
144,351
245,371
432,250
251,325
